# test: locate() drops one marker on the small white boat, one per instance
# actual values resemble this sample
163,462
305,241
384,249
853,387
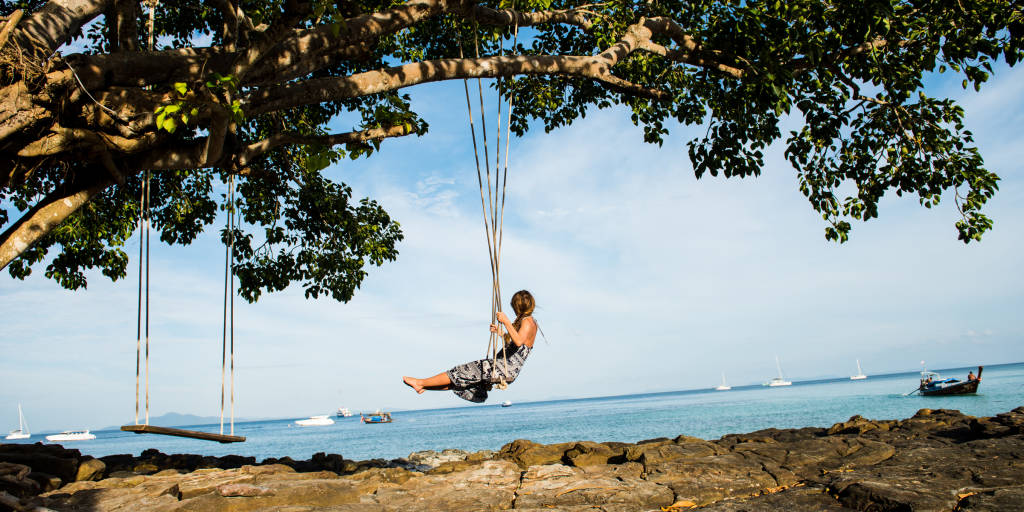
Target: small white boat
22,432
780,380
315,421
723,386
506,403
72,435
860,373
343,412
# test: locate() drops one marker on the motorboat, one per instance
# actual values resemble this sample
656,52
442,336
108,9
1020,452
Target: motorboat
377,417
22,432
506,403
72,435
343,412
780,380
860,373
723,386
315,421
932,384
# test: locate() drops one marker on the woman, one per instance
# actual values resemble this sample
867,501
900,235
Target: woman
473,380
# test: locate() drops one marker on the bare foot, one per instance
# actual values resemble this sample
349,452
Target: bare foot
413,383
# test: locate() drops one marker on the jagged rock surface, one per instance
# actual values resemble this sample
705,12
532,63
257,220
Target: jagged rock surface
938,460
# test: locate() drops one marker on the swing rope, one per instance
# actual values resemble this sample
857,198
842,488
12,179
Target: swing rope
142,325
229,307
493,208
144,222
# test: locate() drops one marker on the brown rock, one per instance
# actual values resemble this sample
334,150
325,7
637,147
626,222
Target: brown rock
490,485
993,500
705,480
90,469
527,453
562,486
145,468
587,453
244,490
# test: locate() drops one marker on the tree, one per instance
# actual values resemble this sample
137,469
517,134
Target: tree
254,100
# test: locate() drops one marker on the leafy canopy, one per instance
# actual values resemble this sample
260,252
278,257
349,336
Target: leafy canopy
258,97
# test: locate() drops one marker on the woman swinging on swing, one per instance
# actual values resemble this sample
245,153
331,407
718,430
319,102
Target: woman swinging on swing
472,380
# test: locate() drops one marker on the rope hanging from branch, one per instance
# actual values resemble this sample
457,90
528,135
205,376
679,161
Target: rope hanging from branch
228,339
493,207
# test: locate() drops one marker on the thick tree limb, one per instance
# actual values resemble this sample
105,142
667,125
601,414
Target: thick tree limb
322,90
46,215
42,32
253,151
9,24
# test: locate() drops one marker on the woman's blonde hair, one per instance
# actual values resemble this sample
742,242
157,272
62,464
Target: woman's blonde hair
522,304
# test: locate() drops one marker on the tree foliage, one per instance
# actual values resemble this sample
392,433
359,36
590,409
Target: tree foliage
250,88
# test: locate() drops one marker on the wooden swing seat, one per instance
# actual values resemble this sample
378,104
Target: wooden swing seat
194,434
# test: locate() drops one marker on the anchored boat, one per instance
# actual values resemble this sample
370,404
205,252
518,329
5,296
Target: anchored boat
315,421
72,435
377,417
932,384
22,432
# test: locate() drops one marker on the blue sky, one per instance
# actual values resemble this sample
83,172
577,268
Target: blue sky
646,280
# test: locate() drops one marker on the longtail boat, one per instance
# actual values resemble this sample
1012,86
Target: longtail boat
932,384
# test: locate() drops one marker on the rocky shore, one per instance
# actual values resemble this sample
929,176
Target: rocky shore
938,460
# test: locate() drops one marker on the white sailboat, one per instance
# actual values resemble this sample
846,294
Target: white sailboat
778,381
723,386
22,432
860,373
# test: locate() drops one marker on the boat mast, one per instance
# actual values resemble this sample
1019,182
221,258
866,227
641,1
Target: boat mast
779,366
21,421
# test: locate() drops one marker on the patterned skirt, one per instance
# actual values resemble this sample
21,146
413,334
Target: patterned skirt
471,381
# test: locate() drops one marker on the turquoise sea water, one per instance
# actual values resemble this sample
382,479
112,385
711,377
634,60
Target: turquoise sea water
701,413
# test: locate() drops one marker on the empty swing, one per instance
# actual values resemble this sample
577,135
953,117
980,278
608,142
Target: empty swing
143,327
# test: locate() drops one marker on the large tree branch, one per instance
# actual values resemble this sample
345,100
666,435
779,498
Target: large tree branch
46,215
253,151
42,32
597,67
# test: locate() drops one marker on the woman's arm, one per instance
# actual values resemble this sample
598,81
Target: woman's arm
525,335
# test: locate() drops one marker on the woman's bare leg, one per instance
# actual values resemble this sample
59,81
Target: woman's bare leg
438,382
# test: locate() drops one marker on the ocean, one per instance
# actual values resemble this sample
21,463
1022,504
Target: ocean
703,413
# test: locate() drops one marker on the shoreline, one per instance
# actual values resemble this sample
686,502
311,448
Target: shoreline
936,460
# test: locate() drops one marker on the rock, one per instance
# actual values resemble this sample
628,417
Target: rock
145,468
527,453
993,500
588,453
90,469
489,485
705,480
120,462
245,490
59,462
451,467
798,499
558,486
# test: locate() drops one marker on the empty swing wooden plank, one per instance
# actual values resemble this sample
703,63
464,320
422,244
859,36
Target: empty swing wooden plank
194,434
